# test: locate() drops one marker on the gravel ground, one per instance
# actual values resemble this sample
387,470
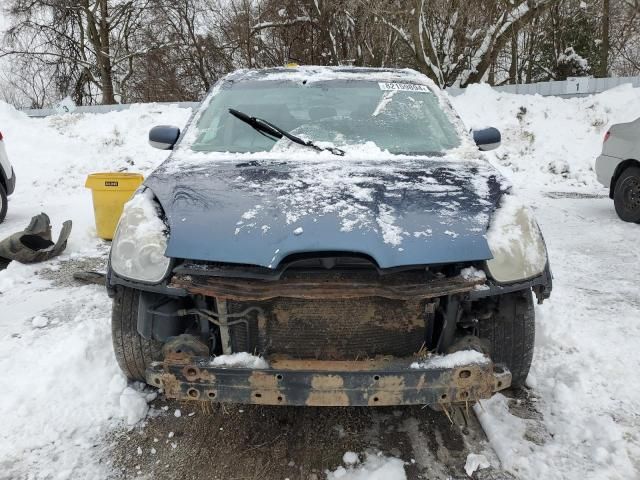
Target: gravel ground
234,442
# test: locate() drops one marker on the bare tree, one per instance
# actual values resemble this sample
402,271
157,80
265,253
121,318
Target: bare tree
96,39
153,50
457,41
603,71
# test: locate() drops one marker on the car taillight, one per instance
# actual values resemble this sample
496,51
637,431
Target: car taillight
1,136
606,136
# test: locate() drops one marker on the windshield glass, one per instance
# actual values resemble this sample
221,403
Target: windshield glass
400,118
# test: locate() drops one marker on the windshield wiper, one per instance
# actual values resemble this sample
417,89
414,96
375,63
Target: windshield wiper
269,130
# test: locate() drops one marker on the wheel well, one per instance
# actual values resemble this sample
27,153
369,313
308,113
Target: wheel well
622,166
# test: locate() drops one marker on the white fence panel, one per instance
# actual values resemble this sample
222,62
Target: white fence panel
572,87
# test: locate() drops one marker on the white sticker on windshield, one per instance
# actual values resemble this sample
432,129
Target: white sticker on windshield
403,87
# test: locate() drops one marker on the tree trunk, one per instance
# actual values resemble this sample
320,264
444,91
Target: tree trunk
513,68
98,33
498,36
604,46
106,70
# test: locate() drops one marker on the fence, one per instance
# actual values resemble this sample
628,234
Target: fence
572,87
45,112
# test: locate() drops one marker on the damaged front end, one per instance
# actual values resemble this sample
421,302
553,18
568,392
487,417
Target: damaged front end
335,332
380,382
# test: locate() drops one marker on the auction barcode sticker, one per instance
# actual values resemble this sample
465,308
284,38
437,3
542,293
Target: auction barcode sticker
403,87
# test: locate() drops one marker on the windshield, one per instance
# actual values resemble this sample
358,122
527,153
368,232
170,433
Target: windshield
400,118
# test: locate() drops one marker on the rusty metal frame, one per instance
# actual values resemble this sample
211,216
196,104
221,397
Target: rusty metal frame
327,383
325,286
223,325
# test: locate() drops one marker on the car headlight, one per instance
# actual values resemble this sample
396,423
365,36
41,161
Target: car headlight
138,247
518,249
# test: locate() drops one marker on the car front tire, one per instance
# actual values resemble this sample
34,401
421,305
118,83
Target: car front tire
626,195
134,353
511,334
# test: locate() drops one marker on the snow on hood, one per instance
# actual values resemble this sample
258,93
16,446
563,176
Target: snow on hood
258,208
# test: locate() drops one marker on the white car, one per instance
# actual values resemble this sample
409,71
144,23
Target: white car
618,167
7,179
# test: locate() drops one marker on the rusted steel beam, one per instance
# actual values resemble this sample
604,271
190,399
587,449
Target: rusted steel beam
323,287
372,383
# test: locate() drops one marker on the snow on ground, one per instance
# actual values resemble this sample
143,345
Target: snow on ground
66,391
62,389
475,462
548,142
587,356
374,467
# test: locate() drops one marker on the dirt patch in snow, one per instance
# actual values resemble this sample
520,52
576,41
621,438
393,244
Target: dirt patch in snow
259,442
61,273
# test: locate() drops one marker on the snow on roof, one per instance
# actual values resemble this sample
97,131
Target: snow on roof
327,73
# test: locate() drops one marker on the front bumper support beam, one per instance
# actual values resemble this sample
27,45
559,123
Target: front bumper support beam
327,383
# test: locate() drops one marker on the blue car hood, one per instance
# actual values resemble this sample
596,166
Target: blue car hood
400,211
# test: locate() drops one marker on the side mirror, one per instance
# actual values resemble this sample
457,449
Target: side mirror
487,138
164,137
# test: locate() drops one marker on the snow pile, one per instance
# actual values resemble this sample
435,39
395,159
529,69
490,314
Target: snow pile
350,458
472,273
456,359
587,334
475,462
66,390
65,387
240,360
374,467
514,441
39,321
52,157
548,142
133,402
586,354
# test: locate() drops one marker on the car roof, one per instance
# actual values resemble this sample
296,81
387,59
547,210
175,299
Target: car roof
313,73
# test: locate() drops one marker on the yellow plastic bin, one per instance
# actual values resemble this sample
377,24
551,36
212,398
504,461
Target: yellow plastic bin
110,192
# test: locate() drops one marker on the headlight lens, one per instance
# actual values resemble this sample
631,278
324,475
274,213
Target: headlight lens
518,249
137,251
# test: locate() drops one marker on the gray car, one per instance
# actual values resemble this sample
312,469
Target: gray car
618,167
7,179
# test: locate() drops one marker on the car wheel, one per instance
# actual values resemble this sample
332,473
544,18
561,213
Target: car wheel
511,334
626,195
3,203
134,353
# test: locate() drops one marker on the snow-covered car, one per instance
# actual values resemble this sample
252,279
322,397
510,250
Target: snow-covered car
7,179
326,236
618,168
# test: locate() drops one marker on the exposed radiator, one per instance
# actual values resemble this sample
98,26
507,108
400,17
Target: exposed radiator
337,329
